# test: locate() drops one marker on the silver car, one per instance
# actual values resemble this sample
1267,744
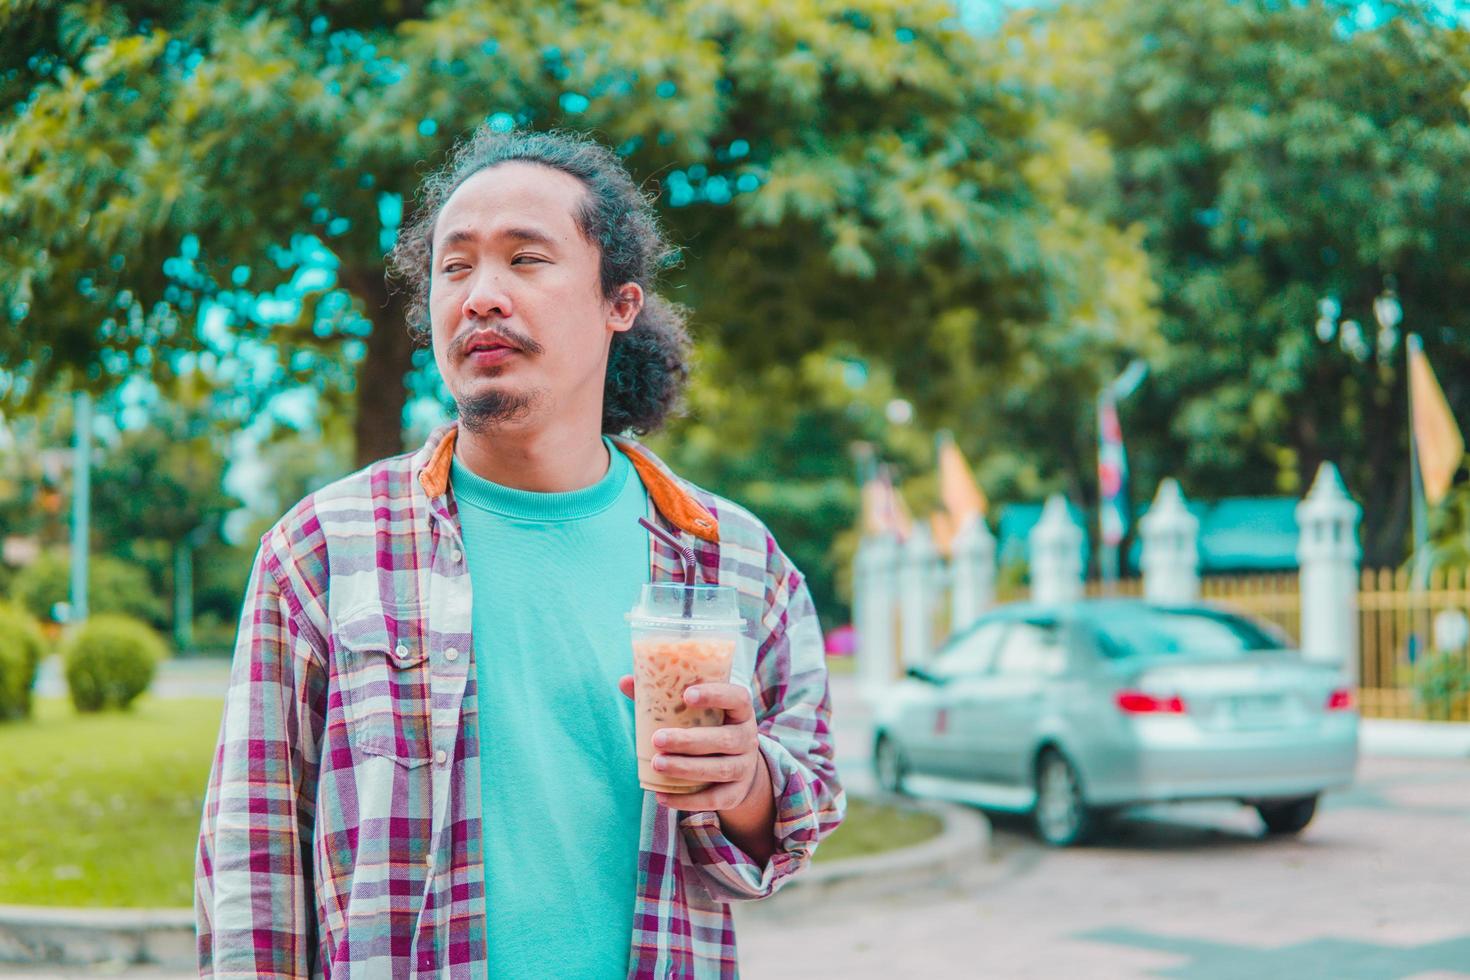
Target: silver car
1073,711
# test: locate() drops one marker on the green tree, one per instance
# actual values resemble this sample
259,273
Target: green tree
35,468
1277,154
835,170
159,489
164,480
113,586
798,473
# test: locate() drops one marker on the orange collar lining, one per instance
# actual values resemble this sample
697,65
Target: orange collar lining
672,500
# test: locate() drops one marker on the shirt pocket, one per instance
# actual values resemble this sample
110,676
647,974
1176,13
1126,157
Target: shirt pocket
383,674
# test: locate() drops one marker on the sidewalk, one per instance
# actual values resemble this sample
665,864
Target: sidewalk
202,677
1415,739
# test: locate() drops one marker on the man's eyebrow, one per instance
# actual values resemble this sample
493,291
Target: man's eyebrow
462,236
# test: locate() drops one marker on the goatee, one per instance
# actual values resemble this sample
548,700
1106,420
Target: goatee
489,409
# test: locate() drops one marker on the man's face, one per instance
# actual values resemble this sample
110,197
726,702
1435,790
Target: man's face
519,323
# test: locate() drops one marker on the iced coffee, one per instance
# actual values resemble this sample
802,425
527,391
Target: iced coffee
682,636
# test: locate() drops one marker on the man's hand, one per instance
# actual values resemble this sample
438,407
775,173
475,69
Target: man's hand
728,757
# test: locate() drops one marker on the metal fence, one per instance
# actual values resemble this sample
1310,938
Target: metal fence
1274,597
1401,674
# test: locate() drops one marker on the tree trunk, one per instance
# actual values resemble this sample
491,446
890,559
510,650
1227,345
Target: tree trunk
382,391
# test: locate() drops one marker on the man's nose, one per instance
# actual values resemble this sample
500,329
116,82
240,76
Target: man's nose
487,298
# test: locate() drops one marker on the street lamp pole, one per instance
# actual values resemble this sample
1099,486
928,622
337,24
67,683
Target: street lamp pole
1388,312
1112,465
81,507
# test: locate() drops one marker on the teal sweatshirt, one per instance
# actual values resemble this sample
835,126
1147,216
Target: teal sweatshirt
553,575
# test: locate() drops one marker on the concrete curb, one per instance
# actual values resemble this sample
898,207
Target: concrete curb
963,841
1421,739
68,936
165,937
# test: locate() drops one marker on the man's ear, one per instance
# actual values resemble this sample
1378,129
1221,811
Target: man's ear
624,308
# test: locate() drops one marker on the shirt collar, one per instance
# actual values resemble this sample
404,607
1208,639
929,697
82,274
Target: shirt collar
432,464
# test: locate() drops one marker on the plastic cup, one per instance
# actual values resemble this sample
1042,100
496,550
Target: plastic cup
671,653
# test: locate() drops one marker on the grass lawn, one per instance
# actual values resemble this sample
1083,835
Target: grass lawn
105,808
873,827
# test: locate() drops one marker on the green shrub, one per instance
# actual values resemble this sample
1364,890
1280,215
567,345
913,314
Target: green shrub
110,660
113,586
21,648
1443,684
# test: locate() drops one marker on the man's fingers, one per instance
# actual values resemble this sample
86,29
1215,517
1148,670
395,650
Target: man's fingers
720,740
734,699
719,796
625,684
704,768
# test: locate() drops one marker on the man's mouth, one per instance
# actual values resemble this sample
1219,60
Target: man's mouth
490,346
489,349
486,345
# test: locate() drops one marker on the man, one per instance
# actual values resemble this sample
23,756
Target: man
425,766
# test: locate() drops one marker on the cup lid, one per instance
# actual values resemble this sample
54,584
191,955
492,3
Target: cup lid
707,606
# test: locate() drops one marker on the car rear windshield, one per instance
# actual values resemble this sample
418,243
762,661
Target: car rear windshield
1129,632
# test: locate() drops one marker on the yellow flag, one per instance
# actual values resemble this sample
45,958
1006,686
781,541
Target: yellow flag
957,488
941,528
1437,438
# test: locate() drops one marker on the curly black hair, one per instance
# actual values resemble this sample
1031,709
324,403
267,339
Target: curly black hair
647,365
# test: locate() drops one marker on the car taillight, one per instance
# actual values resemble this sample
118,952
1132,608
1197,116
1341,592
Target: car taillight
1138,703
1340,699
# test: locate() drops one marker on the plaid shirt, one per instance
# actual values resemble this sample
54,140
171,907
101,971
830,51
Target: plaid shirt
342,830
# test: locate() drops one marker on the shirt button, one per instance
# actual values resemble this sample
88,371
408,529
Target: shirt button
429,861
441,757
456,555
400,651
451,654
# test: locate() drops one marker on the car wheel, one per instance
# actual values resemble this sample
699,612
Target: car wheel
1283,817
1062,816
889,765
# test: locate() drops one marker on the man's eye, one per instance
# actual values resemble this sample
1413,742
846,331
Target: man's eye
522,259
454,267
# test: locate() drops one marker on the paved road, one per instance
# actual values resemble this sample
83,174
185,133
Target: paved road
1378,887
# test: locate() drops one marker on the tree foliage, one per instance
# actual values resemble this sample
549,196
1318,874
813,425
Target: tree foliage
860,181
1277,154
834,171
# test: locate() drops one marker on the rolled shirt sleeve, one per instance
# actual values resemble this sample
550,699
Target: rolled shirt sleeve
794,721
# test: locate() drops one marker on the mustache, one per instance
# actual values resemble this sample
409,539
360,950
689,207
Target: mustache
504,333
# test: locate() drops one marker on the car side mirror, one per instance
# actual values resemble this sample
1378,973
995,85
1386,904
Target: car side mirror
920,674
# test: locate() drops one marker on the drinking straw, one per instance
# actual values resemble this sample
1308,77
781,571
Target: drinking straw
685,552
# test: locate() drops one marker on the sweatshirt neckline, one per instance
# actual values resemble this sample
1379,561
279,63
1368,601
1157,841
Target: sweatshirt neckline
475,491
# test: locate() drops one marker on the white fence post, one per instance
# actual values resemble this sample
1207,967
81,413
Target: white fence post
1327,520
1170,548
1056,554
874,599
916,589
972,573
